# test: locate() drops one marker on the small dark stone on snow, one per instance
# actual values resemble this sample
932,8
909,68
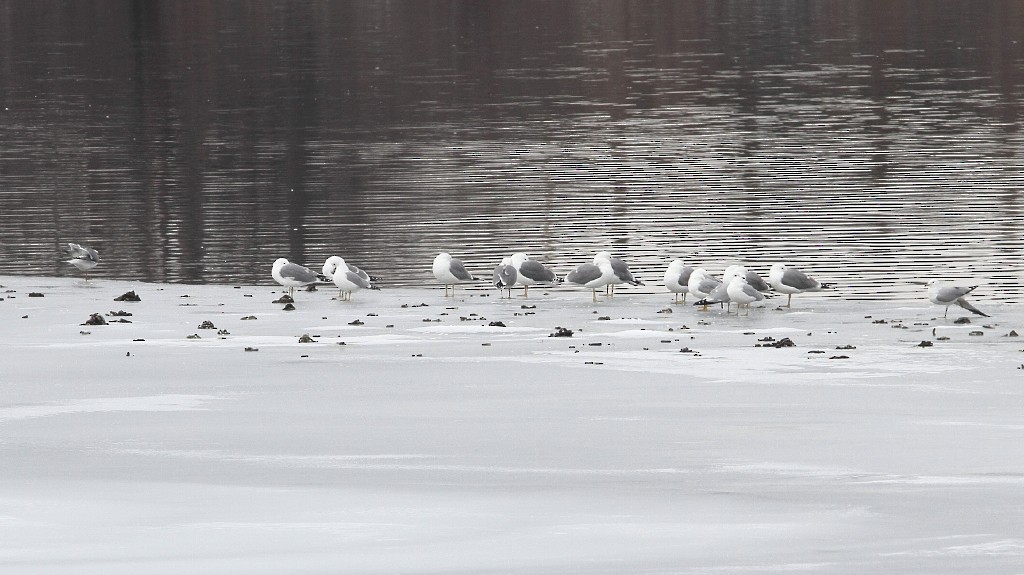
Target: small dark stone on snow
207,325
963,320
976,333
496,324
249,317
128,296
356,322
840,357
604,318
284,299
306,339
252,349
527,307
288,307
561,332
846,347
925,344
35,294
1013,333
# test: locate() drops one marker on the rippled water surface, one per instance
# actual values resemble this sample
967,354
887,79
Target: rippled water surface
870,142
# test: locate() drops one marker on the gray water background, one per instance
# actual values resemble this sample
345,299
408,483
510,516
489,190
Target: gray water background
870,142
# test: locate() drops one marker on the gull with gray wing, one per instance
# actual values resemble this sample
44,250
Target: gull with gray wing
620,271
505,276
531,272
347,277
946,295
677,276
83,258
450,271
292,275
790,280
592,276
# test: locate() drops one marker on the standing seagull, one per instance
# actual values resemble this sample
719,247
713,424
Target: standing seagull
292,275
789,281
592,276
450,271
345,277
332,264
947,295
620,271
743,293
701,284
677,276
530,272
83,258
505,276
721,293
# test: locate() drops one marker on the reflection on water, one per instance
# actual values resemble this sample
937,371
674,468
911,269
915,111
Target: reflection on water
197,142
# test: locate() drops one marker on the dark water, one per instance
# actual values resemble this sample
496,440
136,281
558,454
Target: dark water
872,142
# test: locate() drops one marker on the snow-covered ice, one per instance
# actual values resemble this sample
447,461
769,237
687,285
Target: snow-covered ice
432,441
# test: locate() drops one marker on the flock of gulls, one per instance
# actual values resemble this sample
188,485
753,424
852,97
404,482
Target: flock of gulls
738,285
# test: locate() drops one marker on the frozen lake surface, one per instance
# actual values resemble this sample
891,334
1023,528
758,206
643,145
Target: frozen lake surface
434,442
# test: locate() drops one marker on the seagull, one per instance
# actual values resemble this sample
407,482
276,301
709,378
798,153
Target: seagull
505,276
676,278
592,276
83,258
332,263
720,294
450,271
947,295
789,281
741,292
751,276
619,269
530,272
292,275
347,277
701,284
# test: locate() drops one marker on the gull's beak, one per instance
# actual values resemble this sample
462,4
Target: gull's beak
917,283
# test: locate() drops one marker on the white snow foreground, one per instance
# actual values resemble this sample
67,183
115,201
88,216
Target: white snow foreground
433,441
